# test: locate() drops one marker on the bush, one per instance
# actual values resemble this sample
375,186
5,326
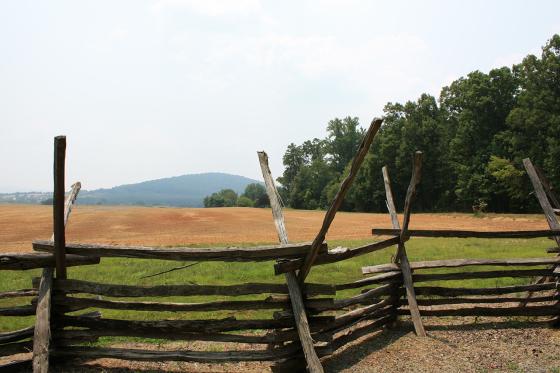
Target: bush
244,201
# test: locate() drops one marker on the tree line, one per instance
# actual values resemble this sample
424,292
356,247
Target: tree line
253,196
474,137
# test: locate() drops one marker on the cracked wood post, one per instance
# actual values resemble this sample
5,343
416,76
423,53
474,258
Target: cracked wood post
42,333
547,208
401,250
58,206
344,186
296,298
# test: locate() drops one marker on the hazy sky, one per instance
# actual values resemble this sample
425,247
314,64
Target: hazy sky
149,89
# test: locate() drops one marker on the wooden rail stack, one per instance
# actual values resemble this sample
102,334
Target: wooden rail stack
304,321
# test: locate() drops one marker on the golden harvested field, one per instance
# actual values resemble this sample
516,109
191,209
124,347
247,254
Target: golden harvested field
20,224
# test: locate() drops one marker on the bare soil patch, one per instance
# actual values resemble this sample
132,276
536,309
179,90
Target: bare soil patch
454,345
21,224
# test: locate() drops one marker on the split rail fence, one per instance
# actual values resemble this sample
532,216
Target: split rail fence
307,321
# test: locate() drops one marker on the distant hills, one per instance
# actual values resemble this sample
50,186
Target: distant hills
185,190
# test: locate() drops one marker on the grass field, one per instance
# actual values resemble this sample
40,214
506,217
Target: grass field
19,225
130,271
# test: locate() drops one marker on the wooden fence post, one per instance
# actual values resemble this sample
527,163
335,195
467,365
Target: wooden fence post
296,298
58,206
401,250
42,334
547,208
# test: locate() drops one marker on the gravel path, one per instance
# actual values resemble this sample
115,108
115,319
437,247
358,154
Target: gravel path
454,345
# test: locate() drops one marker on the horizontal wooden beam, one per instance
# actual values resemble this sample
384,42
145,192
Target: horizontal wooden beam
490,311
444,301
18,293
335,256
423,277
225,254
124,327
13,348
465,234
27,310
22,261
448,291
117,290
17,335
450,263
69,304
387,277
81,334
87,353
24,365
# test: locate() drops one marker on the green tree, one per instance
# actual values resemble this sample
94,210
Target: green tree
244,201
257,194
343,139
223,198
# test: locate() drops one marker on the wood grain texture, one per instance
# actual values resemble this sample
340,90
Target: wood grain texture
226,254
296,298
87,353
42,333
69,304
23,261
59,237
117,290
451,263
490,311
401,256
464,233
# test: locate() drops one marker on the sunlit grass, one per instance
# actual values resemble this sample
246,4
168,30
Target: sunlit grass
131,271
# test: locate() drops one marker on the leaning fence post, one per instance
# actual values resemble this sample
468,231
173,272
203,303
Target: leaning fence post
401,251
58,206
344,186
296,298
547,208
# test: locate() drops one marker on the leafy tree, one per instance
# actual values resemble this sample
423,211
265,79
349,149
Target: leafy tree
343,138
223,198
244,201
256,193
474,139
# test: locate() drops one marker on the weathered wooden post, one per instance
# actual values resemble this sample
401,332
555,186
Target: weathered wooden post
401,251
42,333
549,213
296,298
58,206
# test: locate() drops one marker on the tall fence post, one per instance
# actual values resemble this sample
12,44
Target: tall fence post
548,210
58,206
296,298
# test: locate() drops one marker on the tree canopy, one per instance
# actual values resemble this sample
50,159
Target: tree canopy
474,137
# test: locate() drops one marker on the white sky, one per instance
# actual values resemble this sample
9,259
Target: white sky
150,89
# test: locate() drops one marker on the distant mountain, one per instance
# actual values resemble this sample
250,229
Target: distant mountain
185,190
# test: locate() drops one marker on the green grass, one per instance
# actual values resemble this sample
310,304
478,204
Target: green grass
130,271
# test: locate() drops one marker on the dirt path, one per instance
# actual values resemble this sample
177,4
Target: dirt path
20,224
453,345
